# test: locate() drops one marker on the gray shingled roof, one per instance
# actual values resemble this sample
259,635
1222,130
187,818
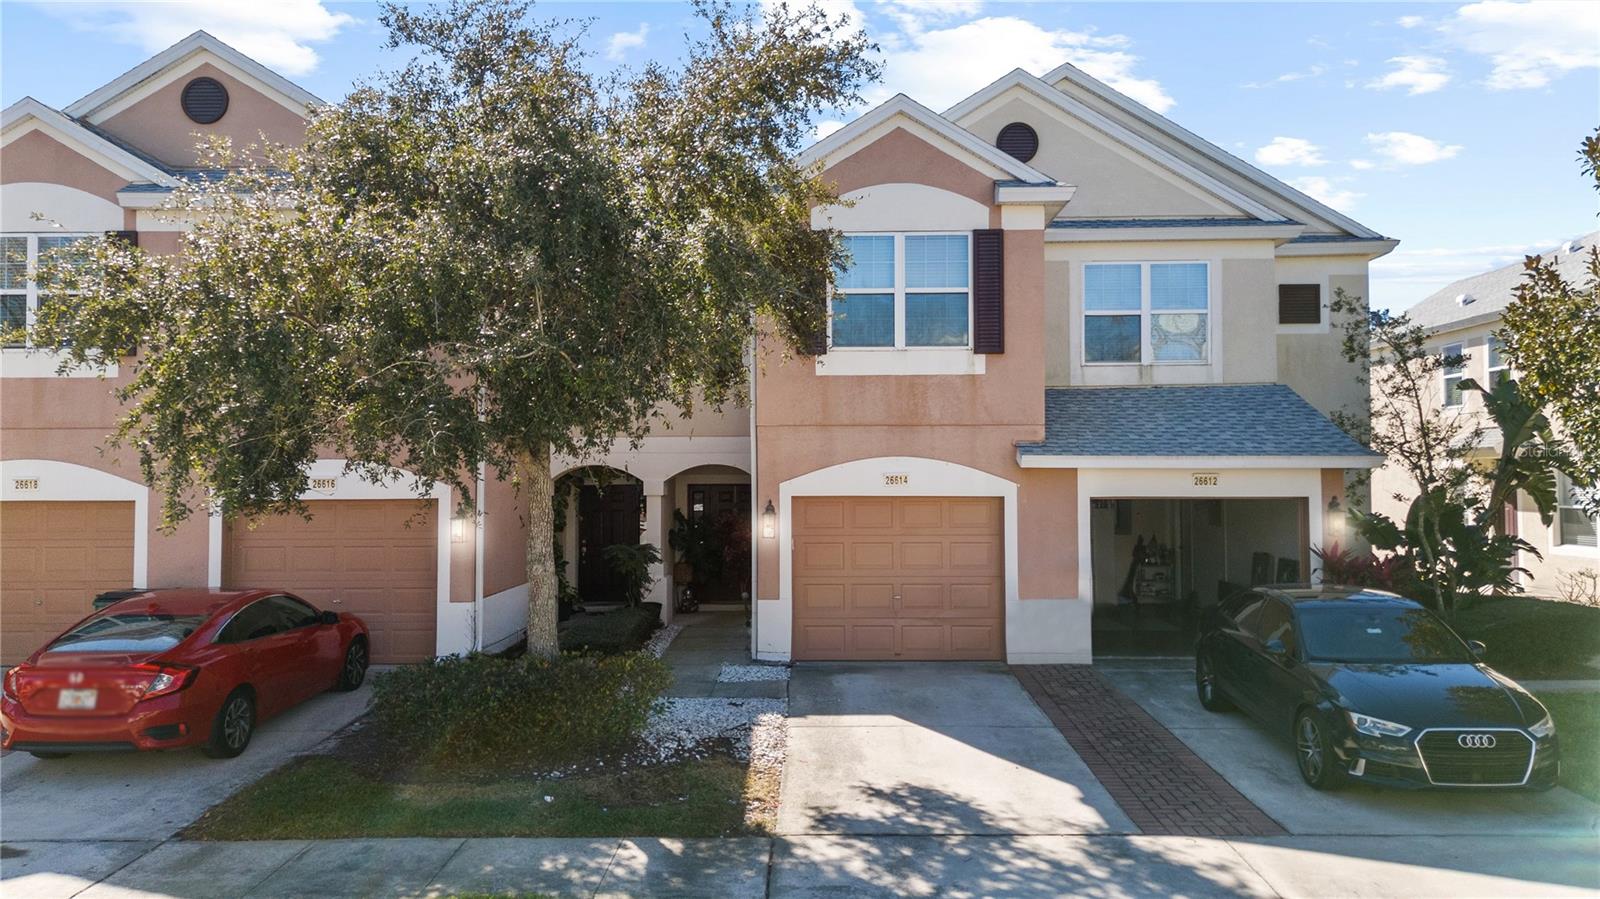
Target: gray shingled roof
1491,292
1206,420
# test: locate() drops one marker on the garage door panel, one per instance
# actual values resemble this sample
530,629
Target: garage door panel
54,558
356,556
923,578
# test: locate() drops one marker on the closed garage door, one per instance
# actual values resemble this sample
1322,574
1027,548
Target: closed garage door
898,578
355,556
54,558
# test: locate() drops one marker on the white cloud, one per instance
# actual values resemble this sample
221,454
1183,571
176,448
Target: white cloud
915,15
1528,44
1298,75
1417,74
1405,148
1408,21
276,33
827,127
1283,151
1327,191
1410,274
623,41
1361,165
940,66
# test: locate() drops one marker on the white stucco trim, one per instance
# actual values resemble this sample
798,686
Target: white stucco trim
65,209
889,207
895,361
658,458
41,362
68,482
1367,249
505,617
865,477
1061,231
1191,463
1146,483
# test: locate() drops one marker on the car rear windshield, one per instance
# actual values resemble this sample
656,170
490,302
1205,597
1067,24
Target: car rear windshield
128,632
1378,635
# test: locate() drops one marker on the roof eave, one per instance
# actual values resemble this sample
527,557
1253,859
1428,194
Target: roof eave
1370,248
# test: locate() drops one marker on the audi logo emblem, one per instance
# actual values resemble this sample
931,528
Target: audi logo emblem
1476,741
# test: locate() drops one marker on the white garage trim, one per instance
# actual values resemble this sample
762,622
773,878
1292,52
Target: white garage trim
452,627
45,480
911,476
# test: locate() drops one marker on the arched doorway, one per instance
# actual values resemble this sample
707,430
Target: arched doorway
605,509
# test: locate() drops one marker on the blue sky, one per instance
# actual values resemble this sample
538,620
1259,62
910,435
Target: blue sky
1452,127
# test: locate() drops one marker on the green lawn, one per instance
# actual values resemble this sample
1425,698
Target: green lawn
1577,717
324,797
1534,638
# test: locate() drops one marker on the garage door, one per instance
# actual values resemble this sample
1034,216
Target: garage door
54,558
352,556
898,578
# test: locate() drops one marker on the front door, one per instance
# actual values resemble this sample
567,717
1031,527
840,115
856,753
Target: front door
727,507
605,518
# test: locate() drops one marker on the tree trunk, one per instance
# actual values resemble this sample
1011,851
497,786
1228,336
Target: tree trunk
533,470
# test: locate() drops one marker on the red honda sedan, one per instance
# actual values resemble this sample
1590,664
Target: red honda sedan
169,669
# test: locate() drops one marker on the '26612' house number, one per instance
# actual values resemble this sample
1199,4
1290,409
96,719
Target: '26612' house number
1206,479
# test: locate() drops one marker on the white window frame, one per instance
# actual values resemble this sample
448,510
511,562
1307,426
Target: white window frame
27,360
1489,368
1563,485
31,282
1458,375
901,291
1145,313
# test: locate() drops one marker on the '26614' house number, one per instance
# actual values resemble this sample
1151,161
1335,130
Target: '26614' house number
896,479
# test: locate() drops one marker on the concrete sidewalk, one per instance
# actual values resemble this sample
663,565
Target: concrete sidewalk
1101,865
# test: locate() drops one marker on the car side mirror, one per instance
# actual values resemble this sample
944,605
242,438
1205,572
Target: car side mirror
1276,648
1478,648
328,618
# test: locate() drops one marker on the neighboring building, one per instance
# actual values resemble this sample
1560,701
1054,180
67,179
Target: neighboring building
1072,332
1461,319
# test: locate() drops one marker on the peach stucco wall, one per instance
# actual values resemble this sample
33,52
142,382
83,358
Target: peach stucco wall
505,539
158,126
805,422
36,156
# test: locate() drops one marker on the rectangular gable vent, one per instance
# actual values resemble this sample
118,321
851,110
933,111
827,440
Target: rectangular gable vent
1299,304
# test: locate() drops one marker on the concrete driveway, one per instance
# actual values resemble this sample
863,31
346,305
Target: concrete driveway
931,748
1261,766
148,796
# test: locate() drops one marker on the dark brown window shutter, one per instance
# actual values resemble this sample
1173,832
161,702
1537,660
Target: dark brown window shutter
1299,304
131,238
989,291
817,341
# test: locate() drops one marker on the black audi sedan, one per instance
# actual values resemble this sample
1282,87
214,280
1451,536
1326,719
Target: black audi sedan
1373,687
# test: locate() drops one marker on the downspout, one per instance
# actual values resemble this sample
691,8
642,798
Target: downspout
477,561
755,509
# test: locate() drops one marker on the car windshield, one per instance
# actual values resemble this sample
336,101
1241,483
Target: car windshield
128,632
1378,635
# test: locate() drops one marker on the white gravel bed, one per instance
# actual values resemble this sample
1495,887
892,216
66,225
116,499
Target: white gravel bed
741,674
757,727
661,639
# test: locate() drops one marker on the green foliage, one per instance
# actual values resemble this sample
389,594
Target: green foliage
533,710
618,631
1529,456
694,540
488,254
631,564
1534,638
1352,567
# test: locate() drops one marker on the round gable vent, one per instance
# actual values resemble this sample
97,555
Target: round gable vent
205,100
1018,139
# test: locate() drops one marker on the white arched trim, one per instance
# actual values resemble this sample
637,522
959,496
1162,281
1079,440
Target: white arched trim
67,209
888,207
46,480
867,477
453,630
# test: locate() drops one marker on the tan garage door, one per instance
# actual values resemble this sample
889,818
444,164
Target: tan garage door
898,578
352,556
54,558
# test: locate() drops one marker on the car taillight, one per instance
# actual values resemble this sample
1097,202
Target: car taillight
167,679
15,688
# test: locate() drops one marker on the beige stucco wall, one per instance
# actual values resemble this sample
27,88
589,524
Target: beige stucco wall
157,125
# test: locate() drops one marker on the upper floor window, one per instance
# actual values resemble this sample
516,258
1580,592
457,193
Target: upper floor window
1575,527
1499,368
904,290
20,295
1146,312
1455,369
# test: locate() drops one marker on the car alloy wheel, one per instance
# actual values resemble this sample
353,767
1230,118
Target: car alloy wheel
355,666
1205,685
233,727
1315,758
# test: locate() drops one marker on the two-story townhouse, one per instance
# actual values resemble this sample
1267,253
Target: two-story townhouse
1461,319
76,519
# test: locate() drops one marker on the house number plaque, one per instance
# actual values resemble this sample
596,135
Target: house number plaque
896,479
21,484
1206,479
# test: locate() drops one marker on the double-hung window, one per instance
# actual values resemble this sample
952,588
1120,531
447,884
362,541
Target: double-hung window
1146,312
900,291
20,295
1575,527
1499,369
1455,369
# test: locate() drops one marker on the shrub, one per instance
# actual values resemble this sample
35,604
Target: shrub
617,631
480,709
630,563
1352,568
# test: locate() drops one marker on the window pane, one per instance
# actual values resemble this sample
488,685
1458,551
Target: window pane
13,317
1457,352
1178,337
1179,286
936,260
1452,389
871,262
1494,354
936,319
14,263
1110,287
1111,338
1577,529
863,319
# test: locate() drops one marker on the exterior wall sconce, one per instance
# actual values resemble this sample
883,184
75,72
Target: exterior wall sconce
458,529
769,522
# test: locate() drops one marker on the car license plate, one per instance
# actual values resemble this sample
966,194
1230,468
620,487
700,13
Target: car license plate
77,699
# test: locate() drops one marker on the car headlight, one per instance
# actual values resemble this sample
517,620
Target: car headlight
1544,728
1376,727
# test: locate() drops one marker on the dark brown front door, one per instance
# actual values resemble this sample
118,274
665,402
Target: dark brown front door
727,507
605,518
